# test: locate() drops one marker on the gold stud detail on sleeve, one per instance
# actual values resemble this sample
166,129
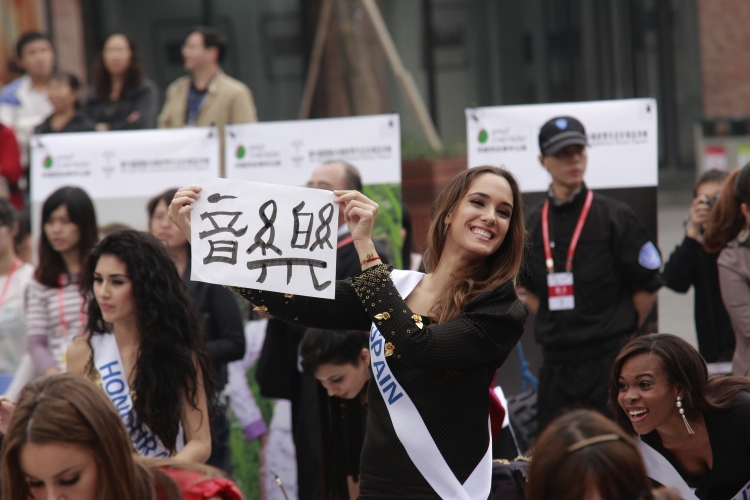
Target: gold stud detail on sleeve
418,320
389,347
260,308
383,315
288,295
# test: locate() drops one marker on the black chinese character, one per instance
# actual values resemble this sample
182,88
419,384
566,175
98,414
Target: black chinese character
308,232
289,263
228,247
268,226
325,223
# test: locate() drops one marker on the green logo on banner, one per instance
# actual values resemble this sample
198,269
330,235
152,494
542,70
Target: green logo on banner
483,136
240,152
47,161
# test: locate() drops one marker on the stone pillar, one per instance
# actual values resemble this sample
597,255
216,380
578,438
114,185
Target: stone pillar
68,33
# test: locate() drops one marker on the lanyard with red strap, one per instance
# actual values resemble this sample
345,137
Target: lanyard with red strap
345,242
13,268
61,307
574,240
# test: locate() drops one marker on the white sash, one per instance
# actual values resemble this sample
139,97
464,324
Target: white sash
659,469
108,363
410,427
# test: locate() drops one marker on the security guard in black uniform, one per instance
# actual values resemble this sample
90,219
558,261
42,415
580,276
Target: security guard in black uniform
592,276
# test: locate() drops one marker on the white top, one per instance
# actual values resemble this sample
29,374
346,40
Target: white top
22,108
12,339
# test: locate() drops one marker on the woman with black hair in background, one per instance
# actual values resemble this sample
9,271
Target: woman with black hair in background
123,98
220,317
54,306
143,339
339,361
728,231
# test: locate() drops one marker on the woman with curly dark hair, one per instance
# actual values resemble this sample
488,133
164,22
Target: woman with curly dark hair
144,346
122,97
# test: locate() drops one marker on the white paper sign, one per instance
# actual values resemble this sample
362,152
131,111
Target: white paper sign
265,236
287,152
622,136
124,164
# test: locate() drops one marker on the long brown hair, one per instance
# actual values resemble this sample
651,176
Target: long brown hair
498,268
683,365
726,220
613,465
68,408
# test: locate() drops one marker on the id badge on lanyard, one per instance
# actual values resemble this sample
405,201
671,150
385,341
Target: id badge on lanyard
560,285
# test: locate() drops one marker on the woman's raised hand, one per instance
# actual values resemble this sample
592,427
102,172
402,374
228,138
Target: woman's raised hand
359,214
6,413
181,206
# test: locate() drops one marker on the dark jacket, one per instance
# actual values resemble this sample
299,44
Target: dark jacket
143,99
221,319
79,123
607,270
445,370
690,265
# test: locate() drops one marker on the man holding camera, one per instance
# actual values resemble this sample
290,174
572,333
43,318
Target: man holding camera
690,265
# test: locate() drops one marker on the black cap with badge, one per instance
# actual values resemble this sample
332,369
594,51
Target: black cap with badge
560,132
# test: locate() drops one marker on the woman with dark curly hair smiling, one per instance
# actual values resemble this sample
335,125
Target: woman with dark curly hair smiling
144,347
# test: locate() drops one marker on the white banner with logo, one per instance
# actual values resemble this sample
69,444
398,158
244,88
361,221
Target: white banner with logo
287,152
622,136
120,170
265,236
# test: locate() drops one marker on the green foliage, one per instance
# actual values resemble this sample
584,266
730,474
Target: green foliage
387,228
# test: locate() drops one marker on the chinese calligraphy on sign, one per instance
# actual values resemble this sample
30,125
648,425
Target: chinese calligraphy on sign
265,236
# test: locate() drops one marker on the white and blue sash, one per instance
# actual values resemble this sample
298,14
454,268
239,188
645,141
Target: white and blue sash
660,469
108,363
411,429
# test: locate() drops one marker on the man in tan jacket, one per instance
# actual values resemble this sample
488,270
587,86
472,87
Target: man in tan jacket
207,96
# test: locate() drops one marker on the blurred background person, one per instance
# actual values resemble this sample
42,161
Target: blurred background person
660,389
15,276
207,96
63,91
690,265
410,258
66,440
54,310
23,102
582,455
727,231
220,316
144,346
123,98
10,164
339,361
24,241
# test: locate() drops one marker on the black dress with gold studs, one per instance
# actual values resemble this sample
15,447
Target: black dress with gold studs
446,370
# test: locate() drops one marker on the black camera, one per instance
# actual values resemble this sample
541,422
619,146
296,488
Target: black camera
710,201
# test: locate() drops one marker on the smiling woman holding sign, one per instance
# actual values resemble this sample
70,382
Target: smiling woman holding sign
694,429
436,339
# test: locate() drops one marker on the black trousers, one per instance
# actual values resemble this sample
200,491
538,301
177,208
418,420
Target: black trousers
220,453
576,378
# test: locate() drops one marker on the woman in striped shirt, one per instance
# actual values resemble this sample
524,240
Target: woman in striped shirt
55,313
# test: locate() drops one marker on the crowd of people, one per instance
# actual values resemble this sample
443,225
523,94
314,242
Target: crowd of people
116,363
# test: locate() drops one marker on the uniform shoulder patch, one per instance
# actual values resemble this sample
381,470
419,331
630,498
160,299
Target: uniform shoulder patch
649,256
